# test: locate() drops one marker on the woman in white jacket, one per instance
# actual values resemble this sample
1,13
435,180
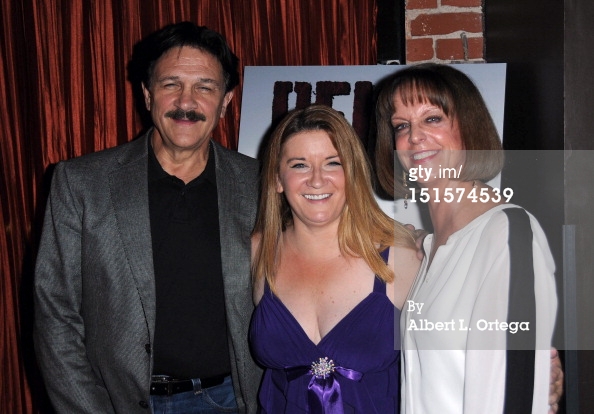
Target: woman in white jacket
477,335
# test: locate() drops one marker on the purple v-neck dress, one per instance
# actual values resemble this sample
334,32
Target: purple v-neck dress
365,377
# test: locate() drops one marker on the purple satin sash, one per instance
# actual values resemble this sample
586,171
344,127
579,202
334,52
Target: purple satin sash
323,390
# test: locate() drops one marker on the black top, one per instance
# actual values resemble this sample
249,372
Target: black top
191,329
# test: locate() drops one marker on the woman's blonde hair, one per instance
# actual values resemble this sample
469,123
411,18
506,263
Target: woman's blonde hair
457,96
363,225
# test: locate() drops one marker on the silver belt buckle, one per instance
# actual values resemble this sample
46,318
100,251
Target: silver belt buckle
160,378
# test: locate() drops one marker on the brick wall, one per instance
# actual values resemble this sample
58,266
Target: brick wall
444,31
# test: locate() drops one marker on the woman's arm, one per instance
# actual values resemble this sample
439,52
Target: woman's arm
258,285
405,264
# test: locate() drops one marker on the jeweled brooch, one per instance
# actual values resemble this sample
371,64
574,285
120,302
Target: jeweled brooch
323,368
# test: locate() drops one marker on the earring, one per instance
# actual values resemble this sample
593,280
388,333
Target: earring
404,183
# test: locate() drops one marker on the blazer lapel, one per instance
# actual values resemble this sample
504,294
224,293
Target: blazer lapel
235,225
129,195
227,204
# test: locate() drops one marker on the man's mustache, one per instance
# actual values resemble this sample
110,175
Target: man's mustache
179,114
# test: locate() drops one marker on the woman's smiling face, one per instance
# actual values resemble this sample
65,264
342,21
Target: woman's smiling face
424,136
312,178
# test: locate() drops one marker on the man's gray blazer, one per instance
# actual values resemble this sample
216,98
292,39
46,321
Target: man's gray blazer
94,282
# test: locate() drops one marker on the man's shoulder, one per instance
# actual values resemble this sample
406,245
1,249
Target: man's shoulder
135,147
109,158
235,160
93,169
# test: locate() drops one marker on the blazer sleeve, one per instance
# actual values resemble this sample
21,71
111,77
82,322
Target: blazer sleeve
59,328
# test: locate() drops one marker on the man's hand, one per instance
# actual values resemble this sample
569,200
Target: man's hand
556,384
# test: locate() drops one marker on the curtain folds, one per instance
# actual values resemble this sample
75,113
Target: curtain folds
65,93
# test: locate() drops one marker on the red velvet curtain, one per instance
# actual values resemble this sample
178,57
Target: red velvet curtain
64,92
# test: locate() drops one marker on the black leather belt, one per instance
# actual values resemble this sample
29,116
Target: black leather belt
164,385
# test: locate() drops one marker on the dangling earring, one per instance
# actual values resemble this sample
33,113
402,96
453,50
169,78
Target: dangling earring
404,183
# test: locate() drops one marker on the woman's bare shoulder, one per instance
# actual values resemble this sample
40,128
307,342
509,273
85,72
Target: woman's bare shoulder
405,263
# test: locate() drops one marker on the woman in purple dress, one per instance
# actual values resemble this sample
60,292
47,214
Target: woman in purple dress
326,300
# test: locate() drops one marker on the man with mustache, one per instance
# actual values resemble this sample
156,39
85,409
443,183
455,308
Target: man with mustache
142,287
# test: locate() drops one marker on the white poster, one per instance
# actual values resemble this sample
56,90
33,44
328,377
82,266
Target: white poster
270,91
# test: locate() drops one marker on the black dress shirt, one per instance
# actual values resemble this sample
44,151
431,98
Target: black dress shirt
191,329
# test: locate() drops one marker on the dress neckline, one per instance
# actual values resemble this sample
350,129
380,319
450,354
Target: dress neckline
379,287
349,314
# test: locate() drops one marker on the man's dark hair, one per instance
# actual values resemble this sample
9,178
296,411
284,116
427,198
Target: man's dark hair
148,51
